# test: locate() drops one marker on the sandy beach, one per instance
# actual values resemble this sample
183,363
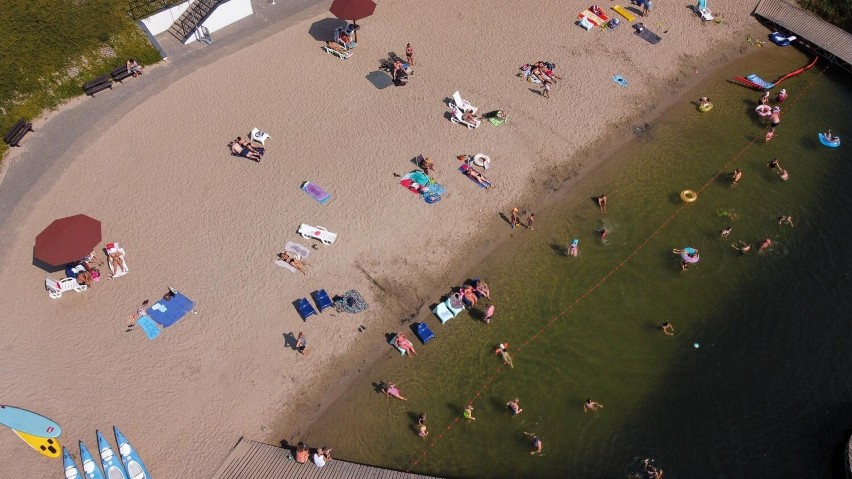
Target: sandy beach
193,217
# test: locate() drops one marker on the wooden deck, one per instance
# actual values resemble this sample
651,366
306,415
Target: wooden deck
835,43
255,460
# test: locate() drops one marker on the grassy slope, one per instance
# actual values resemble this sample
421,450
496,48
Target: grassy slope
49,48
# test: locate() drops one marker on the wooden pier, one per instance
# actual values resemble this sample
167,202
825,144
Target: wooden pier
256,460
832,42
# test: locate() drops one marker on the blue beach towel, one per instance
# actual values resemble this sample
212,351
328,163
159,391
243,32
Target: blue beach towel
167,313
149,327
316,192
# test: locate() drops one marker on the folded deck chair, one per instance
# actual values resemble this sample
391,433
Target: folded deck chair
55,287
304,308
424,334
259,135
322,300
702,10
295,250
337,50
115,248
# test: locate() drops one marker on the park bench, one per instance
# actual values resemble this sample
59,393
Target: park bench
120,73
98,84
14,135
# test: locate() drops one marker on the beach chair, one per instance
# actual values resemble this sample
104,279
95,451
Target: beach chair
317,232
115,248
424,334
704,12
337,50
303,306
259,135
392,342
295,250
55,287
458,117
463,104
322,300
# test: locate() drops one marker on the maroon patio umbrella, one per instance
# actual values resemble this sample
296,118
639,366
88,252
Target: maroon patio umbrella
67,240
352,10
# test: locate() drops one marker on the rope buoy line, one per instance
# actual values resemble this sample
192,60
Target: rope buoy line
610,273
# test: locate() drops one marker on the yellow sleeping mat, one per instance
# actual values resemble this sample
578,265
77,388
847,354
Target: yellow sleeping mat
624,13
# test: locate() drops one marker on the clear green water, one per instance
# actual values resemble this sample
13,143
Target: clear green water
769,391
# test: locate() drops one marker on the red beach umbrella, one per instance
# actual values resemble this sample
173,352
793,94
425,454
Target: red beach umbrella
352,10
67,240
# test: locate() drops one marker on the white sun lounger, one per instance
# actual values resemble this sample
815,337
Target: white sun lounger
295,250
110,249
259,135
464,105
337,50
317,232
55,287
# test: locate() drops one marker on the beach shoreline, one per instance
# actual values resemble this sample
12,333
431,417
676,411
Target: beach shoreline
283,405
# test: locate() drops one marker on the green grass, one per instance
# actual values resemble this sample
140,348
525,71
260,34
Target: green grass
49,48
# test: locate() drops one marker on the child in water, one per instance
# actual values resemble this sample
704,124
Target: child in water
574,249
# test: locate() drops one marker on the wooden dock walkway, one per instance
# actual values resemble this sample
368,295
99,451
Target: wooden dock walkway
834,43
256,460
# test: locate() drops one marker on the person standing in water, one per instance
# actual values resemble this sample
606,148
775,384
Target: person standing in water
536,444
468,413
601,200
514,406
725,232
736,176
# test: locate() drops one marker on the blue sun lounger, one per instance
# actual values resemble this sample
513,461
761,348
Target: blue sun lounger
304,308
424,334
322,300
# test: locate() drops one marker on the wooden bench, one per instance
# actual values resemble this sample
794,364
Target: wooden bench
14,135
120,73
98,84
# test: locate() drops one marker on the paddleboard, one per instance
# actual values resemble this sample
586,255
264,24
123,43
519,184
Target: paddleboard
71,471
113,469
48,446
135,467
28,422
90,467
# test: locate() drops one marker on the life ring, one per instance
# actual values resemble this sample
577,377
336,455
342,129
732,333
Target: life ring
688,196
689,255
481,159
705,107
763,110
833,143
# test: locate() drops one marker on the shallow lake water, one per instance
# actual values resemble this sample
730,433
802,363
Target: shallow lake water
756,380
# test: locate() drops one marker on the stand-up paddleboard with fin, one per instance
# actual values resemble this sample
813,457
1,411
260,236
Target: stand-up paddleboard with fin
45,445
113,469
90,467
71,470
132,463
28,422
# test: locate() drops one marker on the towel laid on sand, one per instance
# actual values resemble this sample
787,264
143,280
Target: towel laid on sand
149,327
646,34
316,192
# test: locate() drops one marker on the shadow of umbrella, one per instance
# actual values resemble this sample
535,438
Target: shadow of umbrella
323,30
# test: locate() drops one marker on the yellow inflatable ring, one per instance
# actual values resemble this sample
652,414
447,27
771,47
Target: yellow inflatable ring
688,196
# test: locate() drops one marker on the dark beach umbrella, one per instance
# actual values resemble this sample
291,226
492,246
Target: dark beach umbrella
352,10
67,240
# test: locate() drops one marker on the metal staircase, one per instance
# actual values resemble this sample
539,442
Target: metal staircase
192,18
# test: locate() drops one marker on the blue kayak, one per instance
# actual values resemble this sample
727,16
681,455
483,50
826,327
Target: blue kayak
113,469
133,464
90,467
71,471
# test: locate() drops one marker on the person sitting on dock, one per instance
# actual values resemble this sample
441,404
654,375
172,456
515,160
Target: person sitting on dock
322,456
302,453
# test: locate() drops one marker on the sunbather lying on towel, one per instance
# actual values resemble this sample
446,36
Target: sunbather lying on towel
547,69
239,150
298,264
478,177
427,165
116,259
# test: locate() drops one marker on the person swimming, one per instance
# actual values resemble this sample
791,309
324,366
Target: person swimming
725,232
514,406
764,245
